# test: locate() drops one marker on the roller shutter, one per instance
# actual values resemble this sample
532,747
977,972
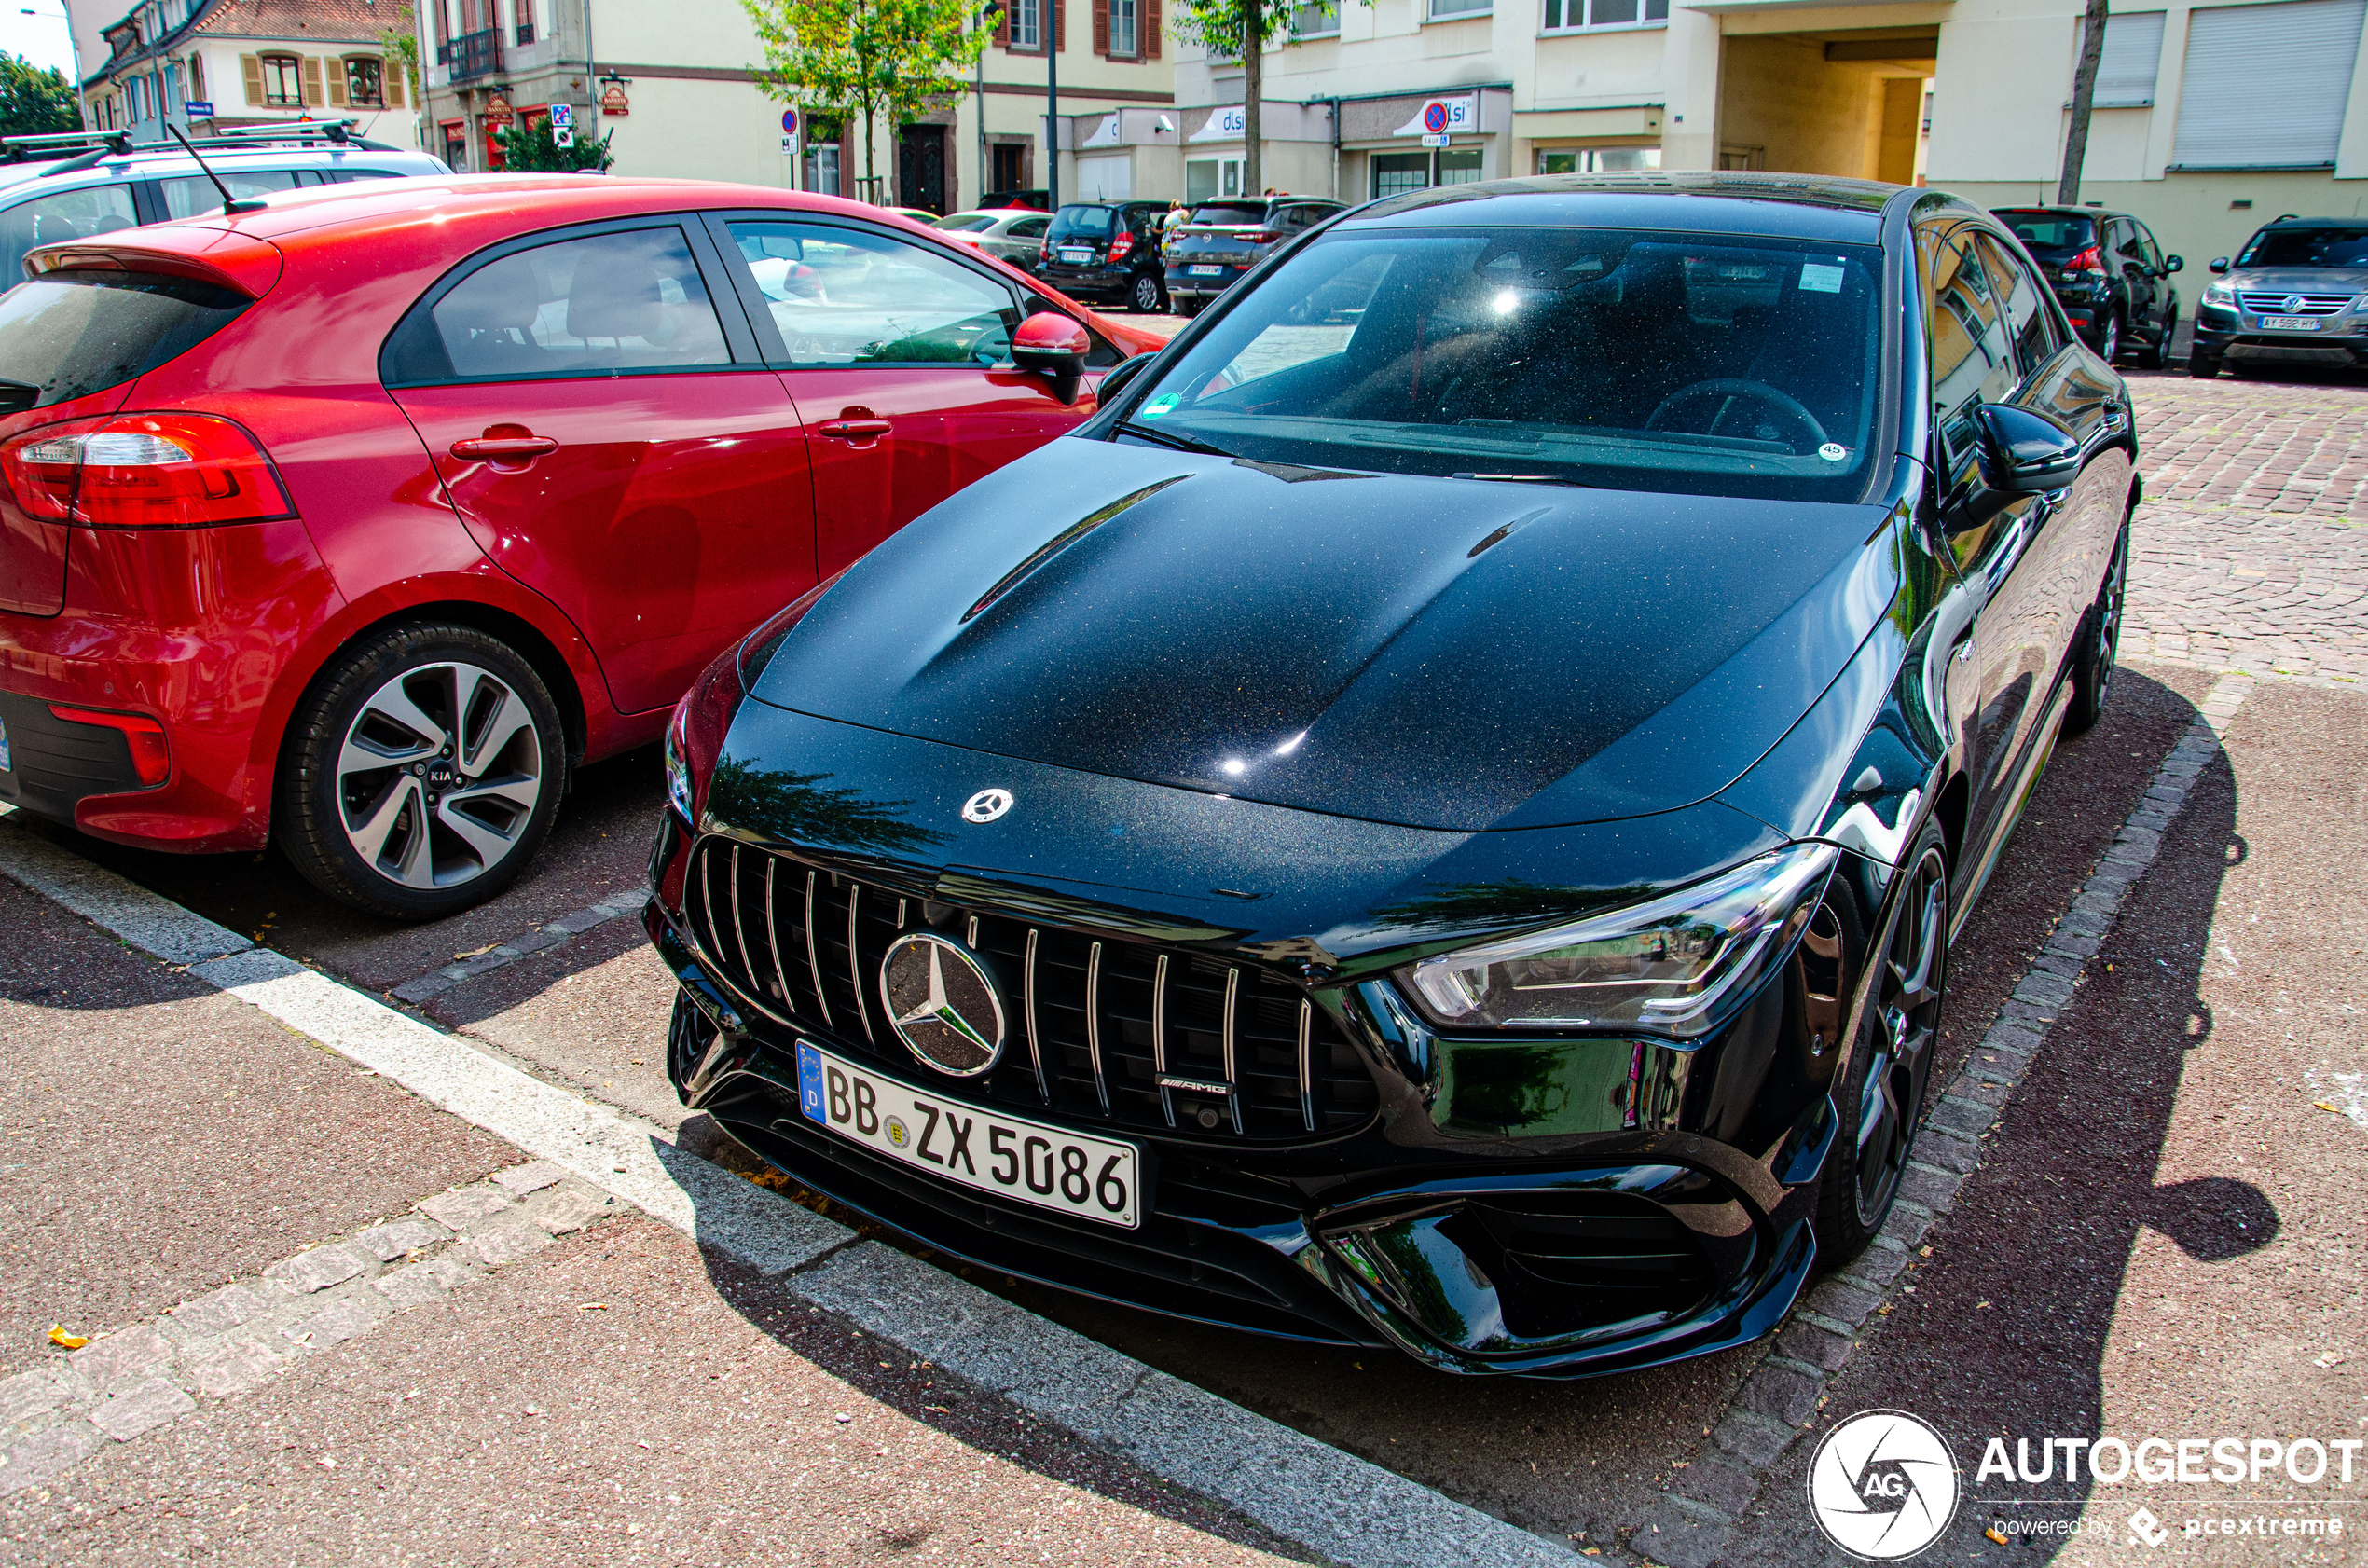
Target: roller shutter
2265,85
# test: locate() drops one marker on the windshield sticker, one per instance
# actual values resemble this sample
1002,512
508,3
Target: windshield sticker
1833,451
1817,278
1162,406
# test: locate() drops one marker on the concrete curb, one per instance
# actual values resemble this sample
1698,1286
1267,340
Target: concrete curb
1711,1495
1350,1511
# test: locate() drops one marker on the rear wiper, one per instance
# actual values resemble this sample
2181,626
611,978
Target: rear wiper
1527,479
1165,438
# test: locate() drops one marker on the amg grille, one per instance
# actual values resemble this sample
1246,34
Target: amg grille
1102,1026
2267,304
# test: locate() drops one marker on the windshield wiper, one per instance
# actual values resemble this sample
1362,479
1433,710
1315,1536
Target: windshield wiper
1165,438
1528,479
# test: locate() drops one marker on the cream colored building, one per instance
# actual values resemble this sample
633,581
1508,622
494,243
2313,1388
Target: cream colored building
208,65
677,85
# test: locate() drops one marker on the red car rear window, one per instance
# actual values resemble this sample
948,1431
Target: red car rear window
67,335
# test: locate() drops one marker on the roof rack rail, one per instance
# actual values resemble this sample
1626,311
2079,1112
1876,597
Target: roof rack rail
118,144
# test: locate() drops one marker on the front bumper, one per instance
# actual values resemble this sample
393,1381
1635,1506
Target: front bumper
1565,1257
2238,336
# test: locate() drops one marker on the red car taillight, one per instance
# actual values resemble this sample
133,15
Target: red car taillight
1044,250
1123,247
151,761
2089,260
144,471
1261,237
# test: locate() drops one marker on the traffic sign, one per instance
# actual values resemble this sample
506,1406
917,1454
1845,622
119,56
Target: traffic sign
562,115
1434,119
563,136
789,122
1440,140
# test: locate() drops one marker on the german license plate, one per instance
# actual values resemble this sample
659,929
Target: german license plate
1206,271
1077,258
2290,323
1010,1156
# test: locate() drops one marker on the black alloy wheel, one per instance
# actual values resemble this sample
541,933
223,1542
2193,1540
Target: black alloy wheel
421,772
2109,348
1146,295
1881,1098
2099,642
2152,355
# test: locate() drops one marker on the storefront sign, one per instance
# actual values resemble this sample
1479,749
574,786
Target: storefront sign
613,102
1443,116
497,111
1228,124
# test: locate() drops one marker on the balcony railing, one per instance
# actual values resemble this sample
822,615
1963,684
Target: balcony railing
472,54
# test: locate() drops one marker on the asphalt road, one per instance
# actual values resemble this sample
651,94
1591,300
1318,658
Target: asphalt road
2164,1187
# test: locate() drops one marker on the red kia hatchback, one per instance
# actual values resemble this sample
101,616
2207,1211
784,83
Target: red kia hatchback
355,522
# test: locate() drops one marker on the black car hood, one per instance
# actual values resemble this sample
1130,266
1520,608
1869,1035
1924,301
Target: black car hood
1434,652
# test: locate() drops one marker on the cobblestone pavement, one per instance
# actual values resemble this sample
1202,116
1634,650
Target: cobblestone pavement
2250,551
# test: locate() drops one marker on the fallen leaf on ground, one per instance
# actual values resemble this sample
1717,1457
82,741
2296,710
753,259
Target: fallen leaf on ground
1993,1534
476,951
592,1307
57,1336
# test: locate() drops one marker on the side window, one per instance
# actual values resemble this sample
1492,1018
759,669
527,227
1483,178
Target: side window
195,196
853,296
632,300
1973,350
70,215
2148,250
2027,314
1029,229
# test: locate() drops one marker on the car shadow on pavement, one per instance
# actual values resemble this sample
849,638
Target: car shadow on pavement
2003,1331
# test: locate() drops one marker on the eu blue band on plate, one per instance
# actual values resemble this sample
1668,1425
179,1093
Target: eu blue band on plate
809,1084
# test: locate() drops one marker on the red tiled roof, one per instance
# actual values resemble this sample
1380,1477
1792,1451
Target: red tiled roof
331,20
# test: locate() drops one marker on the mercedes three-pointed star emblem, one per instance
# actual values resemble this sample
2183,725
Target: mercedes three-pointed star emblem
942,1003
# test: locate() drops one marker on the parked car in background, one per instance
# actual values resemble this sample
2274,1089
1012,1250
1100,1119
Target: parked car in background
1380,911
1107,252
2293,295
1040,200
1223,240
73,187
356,523
2109,275
1009,234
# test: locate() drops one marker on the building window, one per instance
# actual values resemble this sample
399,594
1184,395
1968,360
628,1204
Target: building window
1453,10
1597,160
526,21
1571,16
283,81
136,89
1320,19
456,145
197,78
364,84
1027,32
1123,43
2298,56
823,157
1395,173
2125,67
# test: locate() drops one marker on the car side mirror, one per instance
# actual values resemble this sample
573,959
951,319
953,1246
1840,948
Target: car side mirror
2219,264
1056,347
2018,452
2176,263
1118,379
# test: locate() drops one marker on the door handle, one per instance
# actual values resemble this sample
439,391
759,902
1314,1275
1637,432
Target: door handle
854,430
520,447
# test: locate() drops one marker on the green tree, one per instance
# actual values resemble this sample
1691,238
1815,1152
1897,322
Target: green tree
528,148
1240,28
863,60
402,41
34,102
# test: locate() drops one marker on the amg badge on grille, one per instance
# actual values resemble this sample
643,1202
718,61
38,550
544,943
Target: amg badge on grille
943,1003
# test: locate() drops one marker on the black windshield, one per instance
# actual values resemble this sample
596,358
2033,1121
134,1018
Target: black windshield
2051,236
2307,247
1698,363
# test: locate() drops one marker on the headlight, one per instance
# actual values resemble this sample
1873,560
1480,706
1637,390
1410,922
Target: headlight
2219,293
1679,965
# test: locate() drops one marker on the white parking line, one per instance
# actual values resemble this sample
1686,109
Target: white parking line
1352,1512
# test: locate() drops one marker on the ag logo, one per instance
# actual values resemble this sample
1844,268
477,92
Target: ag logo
986,805
1882,1486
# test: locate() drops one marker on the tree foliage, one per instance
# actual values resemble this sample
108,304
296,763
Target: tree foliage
528,148
402,41
865,59
33,102
1240,30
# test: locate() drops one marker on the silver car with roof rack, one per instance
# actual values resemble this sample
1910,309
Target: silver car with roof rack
73,186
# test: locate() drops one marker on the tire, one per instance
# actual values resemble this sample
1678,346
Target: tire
2098,648
2152,355
423,833
2109,347
1147,296
1882,1095
2201,365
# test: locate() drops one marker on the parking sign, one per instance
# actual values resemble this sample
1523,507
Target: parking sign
562,116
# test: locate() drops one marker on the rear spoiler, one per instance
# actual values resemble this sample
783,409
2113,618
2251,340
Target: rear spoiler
226,258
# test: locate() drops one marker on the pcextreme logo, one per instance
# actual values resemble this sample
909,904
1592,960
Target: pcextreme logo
1882,1485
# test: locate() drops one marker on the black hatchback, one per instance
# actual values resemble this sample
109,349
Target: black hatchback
2111,277
1108,252
1223,240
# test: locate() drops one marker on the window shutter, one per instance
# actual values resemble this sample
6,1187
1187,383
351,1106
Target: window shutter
2125,65
251,66
1060,25
336,84
2298,56
1003,25
1150,29
1102,27
390,81
311,81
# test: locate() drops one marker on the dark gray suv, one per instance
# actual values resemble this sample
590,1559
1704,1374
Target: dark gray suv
2297,294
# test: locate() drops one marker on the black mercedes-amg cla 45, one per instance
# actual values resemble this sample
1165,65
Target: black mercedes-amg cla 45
1434,819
